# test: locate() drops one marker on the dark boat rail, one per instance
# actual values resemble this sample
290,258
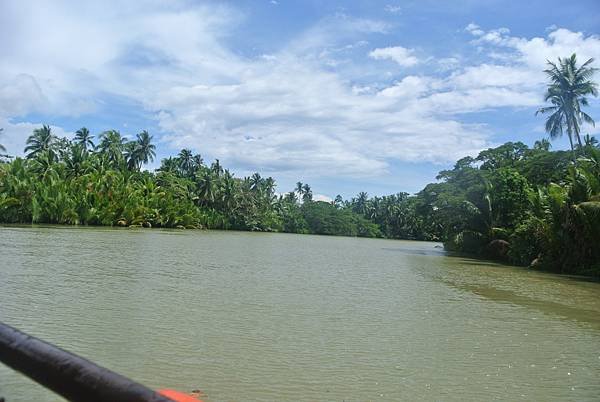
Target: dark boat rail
71,376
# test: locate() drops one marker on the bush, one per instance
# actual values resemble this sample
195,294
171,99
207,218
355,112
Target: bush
528,241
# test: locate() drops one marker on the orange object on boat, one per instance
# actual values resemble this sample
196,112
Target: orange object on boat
178,396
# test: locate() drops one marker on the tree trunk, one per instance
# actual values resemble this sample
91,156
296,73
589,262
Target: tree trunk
570,133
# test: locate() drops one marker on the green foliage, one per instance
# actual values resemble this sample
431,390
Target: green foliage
528,240
510,193
324,218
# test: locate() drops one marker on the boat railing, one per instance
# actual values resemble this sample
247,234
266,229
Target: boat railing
70,376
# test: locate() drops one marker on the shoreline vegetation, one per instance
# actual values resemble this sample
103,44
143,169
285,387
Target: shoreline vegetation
527,206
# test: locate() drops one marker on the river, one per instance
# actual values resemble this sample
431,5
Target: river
283,317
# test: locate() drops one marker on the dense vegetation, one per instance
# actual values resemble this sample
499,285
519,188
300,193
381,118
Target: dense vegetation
524,205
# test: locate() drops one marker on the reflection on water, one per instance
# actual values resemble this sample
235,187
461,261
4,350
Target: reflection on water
274,317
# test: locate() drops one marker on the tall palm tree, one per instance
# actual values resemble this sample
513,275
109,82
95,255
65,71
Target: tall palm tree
112,144
186,161
198,161
306,193
360,205
255,181
84,138
131,155
41,140
207,186
269,184
299,189
569,85
145,149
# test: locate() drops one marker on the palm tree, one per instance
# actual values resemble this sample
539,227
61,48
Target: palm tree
542,145
131,155
74,161
299,189
112,144
207,188
306,193
567,92
290,197
255,182
338,201
216,168
41,140
145,150
186,161
169,164
590,141
84,138
269,185
198,161
360,205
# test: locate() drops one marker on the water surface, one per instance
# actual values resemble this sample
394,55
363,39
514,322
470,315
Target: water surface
281,317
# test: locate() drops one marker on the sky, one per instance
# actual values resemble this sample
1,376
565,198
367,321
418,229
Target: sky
347,96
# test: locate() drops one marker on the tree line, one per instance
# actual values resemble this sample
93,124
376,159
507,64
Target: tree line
528,206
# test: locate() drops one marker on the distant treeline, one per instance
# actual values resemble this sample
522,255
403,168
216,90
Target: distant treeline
512,202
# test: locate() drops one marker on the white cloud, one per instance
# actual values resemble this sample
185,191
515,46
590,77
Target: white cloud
401,55
474,29
322,197
411,87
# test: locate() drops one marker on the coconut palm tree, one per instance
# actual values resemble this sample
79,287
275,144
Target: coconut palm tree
207,187
299,189
186,161
542,145
84,138
198,161
112,144
256,182
131,155
145,150
41,140
590,141
569,85
169,164
307,194
74,160
360,205
269,185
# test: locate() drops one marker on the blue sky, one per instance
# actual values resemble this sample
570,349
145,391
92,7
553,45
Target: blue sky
347,96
